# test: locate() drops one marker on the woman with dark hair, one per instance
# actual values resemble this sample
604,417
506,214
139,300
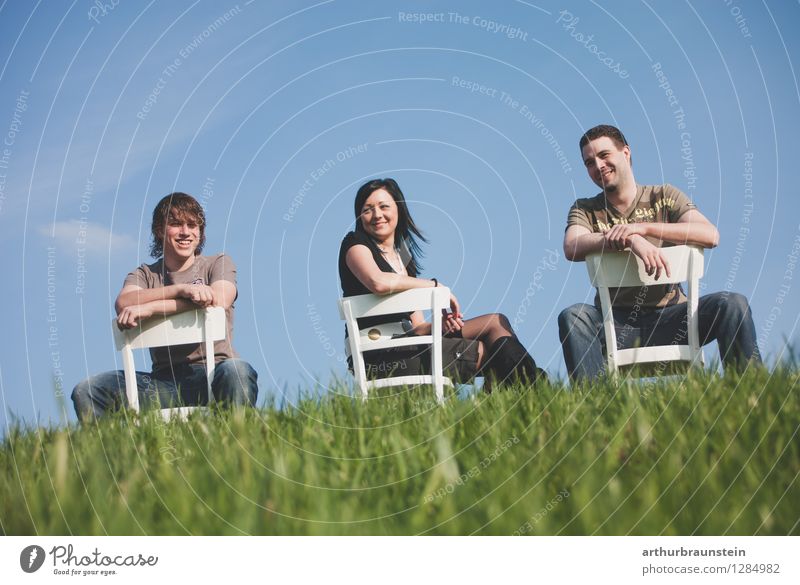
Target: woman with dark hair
382,257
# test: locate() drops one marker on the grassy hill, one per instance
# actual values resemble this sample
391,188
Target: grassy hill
706,455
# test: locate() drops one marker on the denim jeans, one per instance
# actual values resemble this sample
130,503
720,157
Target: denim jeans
724,317
235,384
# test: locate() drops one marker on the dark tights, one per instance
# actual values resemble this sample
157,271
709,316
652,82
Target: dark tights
487,329
501,355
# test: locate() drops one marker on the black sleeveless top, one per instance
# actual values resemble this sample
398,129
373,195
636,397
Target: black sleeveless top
351,286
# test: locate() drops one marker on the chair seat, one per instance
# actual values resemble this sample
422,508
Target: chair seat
401,342
180,413
659,353
404,381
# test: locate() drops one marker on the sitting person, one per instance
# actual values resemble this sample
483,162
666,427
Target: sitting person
642,218
181,280
380,257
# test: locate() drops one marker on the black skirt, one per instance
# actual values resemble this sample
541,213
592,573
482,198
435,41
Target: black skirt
459,357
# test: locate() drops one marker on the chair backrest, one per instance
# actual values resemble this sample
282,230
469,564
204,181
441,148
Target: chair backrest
198,326
416,299
380,337
625,269
616,269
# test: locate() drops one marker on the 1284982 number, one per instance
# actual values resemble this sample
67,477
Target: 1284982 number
757,568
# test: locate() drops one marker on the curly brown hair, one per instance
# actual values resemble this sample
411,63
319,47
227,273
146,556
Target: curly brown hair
175,207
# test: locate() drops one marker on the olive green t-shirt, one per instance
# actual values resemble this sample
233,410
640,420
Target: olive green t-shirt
204,270
653,204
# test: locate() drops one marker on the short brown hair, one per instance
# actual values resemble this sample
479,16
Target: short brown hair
603,130
175,206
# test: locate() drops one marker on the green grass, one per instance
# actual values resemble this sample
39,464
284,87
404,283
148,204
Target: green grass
707,455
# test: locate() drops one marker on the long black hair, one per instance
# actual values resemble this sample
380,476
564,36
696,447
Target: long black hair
407,231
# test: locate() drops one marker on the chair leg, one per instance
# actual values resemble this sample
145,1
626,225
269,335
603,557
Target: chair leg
131,387
439,387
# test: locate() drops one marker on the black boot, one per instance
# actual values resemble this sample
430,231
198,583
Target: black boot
507,361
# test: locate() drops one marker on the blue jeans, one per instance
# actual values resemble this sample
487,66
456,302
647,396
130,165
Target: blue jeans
725,317
235,384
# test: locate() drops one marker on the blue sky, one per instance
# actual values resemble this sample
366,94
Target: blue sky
273,113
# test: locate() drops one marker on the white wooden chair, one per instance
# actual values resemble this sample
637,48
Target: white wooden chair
619,269
432,299
199,326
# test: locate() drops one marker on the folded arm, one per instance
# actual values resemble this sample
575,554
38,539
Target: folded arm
135,303
361,263
692,228
131,295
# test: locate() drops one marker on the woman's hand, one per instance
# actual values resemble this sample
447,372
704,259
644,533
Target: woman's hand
455,308
452,322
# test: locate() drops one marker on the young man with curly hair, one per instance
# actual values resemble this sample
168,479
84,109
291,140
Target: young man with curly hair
181,279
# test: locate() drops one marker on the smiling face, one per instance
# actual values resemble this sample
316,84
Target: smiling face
181,238
178,230
608,165
379,216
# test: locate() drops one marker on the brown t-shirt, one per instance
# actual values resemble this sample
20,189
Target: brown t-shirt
653,204
205,270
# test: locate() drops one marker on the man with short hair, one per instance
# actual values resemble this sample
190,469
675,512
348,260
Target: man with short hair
643,219
180,280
